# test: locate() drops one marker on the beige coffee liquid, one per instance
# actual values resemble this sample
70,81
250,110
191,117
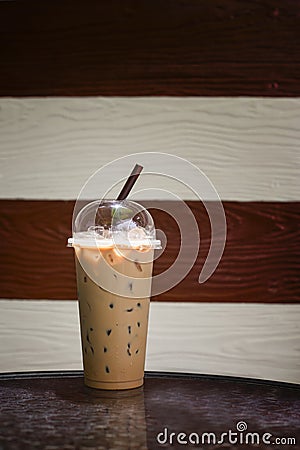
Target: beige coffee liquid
113,327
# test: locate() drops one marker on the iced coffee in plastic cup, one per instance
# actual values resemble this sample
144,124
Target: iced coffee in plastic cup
114,242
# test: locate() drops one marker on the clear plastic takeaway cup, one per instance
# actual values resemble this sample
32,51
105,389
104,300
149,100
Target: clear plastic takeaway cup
114,242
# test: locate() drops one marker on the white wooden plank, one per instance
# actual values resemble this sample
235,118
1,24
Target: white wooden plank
248,147
251,340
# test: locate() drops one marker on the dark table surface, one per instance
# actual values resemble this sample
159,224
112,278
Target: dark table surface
56,411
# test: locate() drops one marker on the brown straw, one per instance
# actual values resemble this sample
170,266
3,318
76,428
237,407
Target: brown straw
130,182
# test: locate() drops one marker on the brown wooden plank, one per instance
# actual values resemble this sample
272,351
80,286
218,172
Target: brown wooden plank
260,263
190,47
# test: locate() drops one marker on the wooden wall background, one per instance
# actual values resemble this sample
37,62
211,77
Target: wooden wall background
248,147
195,79
189,47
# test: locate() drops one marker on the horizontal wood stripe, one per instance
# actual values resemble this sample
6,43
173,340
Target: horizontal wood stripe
260,263
248,147
260,341
172,48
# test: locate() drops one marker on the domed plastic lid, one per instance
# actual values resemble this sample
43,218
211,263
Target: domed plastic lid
114,223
